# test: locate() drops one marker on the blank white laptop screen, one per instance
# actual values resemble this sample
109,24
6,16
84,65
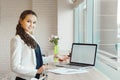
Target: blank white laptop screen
83,53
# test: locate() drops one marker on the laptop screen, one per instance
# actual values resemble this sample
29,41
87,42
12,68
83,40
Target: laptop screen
83,53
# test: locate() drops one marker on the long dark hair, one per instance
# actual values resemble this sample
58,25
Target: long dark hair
20,31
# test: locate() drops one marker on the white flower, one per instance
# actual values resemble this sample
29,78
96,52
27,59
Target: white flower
54,39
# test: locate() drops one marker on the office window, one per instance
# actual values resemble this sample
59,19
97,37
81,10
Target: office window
118,18
83,31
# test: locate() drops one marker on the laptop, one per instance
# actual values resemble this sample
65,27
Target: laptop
82,55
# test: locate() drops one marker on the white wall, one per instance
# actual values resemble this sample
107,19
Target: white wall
65,25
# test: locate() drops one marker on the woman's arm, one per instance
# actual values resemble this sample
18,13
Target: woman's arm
48,59
16,57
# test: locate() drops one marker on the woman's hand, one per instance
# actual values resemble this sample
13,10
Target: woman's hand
64,58
41,69
56,56
61,59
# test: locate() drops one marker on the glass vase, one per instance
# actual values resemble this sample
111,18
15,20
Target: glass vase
56,53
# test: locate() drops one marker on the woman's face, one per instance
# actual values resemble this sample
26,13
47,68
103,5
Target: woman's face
28,23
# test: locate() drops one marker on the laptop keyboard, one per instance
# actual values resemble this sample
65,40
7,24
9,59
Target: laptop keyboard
80,65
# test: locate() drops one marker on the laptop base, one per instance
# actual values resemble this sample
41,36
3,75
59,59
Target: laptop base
72,66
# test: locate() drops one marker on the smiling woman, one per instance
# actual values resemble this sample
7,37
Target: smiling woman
9,16
28,23
26,57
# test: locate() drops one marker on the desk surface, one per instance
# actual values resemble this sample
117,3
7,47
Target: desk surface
92,74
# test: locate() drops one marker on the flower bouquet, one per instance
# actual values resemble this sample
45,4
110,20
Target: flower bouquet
54,39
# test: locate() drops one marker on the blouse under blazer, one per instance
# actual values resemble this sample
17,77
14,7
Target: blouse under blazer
23,59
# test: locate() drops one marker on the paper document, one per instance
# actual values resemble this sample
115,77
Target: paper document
67,71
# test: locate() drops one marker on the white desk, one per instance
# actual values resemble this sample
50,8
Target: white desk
92,74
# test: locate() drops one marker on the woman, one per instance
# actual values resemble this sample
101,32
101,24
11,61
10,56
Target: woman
26,59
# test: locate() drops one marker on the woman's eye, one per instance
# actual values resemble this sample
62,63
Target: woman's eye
28,21
34,22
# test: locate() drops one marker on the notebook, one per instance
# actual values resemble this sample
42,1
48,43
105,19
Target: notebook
82,55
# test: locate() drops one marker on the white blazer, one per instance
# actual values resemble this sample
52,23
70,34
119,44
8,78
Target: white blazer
23,59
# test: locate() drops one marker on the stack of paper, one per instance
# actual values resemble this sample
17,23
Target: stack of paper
67,71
